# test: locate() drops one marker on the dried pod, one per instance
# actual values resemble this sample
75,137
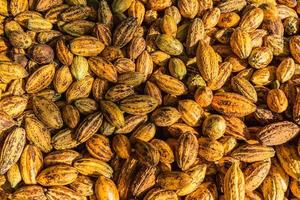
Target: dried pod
83,185
211,18
272,189
173,180
218,82
57,175
210,150
166,153
62,79
136,47
14,175
169,45
61,192
277,133
240,43
228,20
92,46
234,183
103,68
194,35
112,113
61,157
88,127
244,87
289,159
252,153
207,61
186,151
188,9
48,112
121,146
191,112
38,134
165,116
144,180
144,132
170,84
99,147
252,19
31,163
79,89
106,188
214,126
146,153
124,33
277,100
260,57
29,192
232,104
204,191
138,104
12,149
93,167
285,70
158,193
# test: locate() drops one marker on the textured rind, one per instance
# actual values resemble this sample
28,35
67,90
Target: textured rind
105,188
272,189
12,149
38,134
187,150
165,116
29,193
103,68
131,123
13,105
210,150
57,175
126,176
252,153
158,193
144,180
123,34
48,112
92,46
207,61
244,87
62,192
197,173
147,153
256,173
289,160
278,133
119,92
170,84
234,183
79,89
112,113
93,167
166,153
194,35
138,104
191,112
31,163
88,127
174,180
207,190
99,147
240,43
61,157
232,104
